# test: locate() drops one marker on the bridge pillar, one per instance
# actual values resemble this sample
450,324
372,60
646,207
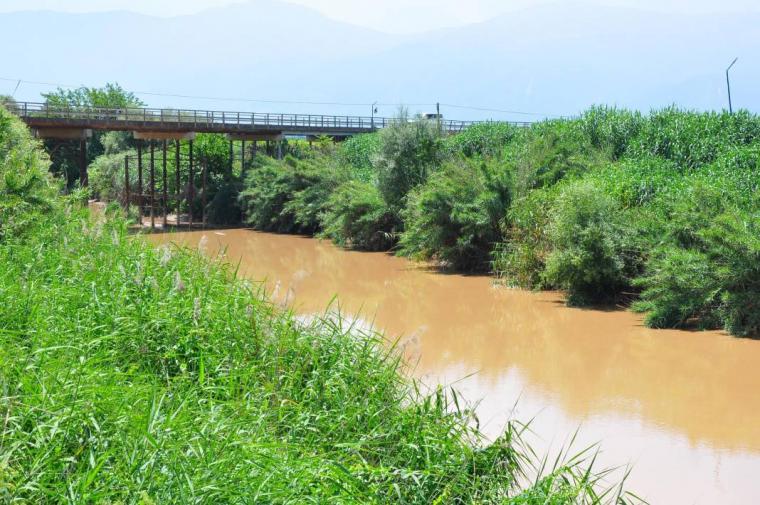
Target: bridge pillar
165,201
178,182
279,149
84,179
228,175
190,188
139,181
152,185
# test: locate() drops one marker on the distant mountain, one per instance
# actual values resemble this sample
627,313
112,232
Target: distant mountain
555,59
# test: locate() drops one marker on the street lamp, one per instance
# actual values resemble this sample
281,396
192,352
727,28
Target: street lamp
374,111
728,85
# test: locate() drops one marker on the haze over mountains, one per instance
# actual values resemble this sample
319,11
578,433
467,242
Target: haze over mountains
550,59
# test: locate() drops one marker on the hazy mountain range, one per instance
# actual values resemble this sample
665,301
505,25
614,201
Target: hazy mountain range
551,59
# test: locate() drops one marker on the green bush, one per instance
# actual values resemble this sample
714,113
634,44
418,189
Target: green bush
456,217
409,151
551,151
358,217
591,256
26,189
106,174
289,196
708,272
359,153
484,139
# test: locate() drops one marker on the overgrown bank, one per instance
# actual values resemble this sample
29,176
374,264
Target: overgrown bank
134,375
661,210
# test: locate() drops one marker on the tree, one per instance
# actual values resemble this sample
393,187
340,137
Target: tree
65,154
409,151
109,96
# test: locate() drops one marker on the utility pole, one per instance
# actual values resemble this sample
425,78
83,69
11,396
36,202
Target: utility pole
728,85
438,115
374,111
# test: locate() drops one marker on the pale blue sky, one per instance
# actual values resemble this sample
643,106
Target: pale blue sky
397,16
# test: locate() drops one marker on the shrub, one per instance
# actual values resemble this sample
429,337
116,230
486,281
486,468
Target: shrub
590,256
484,139
26,190
358,217
224,207
521,259
456,216
708,274
286,196
106,174
550,151
358,154
409,151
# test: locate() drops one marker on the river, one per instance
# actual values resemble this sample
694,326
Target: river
681,408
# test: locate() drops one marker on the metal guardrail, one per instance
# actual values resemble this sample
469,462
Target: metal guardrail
218,120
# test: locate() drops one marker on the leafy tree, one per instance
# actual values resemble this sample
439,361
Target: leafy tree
26,191
409,151
65,154
112,95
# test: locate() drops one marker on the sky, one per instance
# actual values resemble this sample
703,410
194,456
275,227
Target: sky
392,16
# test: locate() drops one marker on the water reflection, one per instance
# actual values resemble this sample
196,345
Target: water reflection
681,406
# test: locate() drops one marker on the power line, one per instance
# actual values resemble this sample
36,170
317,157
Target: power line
291,102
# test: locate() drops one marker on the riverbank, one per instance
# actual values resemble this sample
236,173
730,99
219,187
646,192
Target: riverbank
135,375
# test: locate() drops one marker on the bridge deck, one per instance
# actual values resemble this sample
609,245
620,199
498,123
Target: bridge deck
40,115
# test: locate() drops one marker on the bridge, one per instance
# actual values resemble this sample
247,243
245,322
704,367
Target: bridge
52,120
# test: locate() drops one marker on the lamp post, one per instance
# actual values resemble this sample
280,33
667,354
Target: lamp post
728,85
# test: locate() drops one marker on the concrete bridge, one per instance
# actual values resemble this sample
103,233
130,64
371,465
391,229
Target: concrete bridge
157,127
56,121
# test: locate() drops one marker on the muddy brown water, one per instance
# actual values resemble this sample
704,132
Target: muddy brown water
681,408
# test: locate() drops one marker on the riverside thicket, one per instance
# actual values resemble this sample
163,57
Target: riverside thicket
660,211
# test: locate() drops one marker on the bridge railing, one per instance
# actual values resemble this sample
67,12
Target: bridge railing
222,120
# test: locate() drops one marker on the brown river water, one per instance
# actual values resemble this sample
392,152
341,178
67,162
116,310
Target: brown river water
681,408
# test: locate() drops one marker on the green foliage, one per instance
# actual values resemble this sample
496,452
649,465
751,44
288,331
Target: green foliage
611,129
289,196
112,95
456,216
358,217
692,139
409,151
224,207
707,272
26,191
485,139
107,176
65,154
590,258
359,153
550,151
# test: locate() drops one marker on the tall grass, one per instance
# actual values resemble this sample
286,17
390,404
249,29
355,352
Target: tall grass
135,375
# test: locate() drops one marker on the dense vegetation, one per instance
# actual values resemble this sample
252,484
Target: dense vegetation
659,210
130,374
